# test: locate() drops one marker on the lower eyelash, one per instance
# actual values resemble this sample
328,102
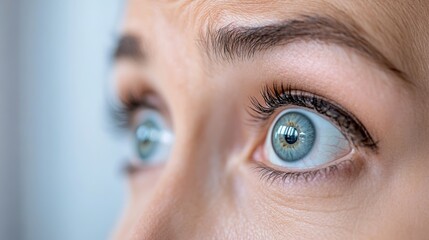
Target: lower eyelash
346,167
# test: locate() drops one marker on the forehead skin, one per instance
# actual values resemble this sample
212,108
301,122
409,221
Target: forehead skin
398,29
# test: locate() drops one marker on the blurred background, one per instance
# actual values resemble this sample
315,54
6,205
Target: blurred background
59,164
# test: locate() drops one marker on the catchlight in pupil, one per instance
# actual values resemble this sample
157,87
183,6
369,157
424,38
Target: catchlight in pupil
152,138
302,139
147,135
291,135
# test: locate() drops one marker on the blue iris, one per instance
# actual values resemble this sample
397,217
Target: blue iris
293,136
147,139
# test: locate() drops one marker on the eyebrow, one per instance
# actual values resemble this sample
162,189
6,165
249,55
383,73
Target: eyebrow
231,42
129,47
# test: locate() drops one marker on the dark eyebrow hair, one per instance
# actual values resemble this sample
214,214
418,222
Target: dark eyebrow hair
129,46
237,42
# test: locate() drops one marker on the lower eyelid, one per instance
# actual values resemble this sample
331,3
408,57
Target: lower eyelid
345,170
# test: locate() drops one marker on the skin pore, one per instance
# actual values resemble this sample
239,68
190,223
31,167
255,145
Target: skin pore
200,63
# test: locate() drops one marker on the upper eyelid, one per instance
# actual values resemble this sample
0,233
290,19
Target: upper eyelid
274,97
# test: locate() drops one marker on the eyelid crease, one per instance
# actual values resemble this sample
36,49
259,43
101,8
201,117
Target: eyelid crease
278,95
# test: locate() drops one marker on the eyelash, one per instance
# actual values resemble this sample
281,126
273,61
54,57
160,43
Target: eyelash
278,96
272,175
121,113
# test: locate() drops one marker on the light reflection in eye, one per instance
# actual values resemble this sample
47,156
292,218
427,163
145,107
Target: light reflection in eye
152,137
301,139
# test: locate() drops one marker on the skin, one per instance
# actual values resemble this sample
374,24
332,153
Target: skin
208,188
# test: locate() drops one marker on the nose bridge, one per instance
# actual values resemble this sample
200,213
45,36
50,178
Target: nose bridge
192,180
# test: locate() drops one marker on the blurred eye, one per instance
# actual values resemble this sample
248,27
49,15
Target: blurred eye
301,139
152,138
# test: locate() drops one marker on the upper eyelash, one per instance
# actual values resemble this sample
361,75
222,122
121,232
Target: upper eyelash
279,95
121,113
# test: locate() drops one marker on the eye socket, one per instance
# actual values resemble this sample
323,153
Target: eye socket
152,138
301,139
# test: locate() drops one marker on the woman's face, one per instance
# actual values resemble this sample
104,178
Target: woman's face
275,119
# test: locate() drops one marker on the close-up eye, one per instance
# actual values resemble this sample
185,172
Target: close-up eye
301,139
152,138
309,135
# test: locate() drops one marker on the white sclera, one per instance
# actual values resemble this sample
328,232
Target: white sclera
330,144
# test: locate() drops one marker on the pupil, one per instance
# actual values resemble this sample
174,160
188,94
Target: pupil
291,135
